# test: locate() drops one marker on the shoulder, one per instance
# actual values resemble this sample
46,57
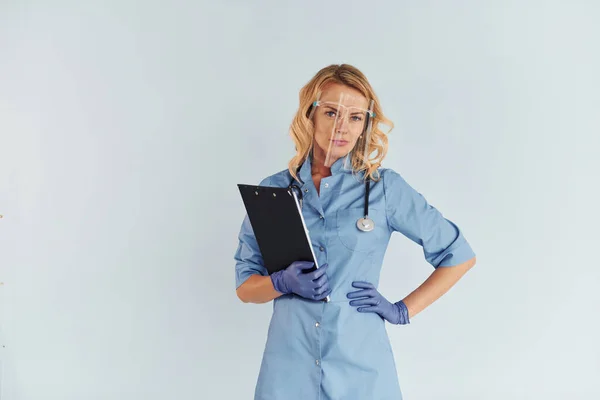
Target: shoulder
390,177
395,185
278,179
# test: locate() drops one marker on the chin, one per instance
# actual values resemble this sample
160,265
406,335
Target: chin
336,155
337,152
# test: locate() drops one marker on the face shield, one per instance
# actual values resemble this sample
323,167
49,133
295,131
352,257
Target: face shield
342,125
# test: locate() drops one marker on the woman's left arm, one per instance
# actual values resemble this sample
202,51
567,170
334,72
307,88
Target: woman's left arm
438,283
444,244
444,247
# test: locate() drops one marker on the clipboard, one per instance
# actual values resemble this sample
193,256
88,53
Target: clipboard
279,227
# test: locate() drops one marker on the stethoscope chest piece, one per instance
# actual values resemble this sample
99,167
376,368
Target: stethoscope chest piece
365,224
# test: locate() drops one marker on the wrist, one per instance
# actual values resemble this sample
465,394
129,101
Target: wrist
278,281
402,313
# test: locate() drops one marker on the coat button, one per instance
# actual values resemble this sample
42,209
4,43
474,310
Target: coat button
317,362
322,248
317,324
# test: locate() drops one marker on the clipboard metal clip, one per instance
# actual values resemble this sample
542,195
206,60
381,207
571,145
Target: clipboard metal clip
297,192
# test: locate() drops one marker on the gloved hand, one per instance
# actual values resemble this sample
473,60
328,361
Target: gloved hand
310,285
372,301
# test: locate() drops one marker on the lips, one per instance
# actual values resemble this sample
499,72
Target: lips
340,142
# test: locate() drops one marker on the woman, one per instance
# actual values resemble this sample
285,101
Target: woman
339,349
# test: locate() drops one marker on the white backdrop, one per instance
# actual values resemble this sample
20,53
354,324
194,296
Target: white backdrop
126,125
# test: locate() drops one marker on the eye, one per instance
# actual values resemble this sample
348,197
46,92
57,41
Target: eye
357,118
330,114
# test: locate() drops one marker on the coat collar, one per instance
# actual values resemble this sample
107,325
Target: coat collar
337,167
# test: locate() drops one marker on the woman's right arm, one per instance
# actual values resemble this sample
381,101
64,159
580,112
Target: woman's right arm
257,289
253,283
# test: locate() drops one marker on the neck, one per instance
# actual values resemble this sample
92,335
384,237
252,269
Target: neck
318,167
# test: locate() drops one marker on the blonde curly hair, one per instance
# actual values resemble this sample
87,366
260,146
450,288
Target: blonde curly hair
302,128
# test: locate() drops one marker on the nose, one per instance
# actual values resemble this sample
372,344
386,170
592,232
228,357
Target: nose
341,124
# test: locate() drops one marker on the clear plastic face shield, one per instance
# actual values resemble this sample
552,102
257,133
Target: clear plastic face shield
343,124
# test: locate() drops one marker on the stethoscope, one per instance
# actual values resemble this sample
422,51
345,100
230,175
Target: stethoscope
364,224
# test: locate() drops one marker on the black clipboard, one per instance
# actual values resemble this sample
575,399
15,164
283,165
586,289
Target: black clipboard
276,218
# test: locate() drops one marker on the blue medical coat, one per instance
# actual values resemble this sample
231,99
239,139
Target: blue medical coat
330,351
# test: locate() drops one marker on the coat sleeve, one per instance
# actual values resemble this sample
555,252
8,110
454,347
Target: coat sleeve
248,258
409,213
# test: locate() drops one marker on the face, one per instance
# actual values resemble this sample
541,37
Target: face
339,120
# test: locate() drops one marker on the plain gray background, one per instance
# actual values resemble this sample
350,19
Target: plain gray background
126,125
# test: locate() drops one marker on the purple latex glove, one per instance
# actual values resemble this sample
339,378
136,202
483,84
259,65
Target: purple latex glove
370,300
310,285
